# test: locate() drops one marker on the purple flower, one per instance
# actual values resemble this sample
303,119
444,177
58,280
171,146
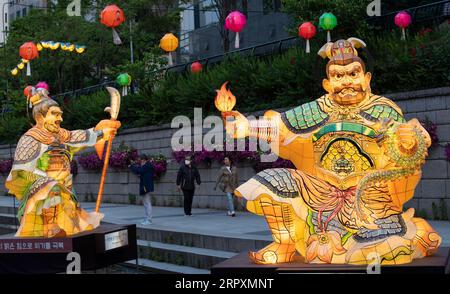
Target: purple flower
5,166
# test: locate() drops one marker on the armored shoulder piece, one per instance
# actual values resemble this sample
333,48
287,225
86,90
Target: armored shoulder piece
27,149
380,111
305,118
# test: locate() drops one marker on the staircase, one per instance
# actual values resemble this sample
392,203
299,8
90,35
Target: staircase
170,251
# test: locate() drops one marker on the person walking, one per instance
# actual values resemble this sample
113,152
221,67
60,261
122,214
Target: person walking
187,176
227,180
145,170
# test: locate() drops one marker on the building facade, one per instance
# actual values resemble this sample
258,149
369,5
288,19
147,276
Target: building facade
201,36
13,9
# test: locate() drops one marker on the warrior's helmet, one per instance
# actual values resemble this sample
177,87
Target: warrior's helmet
342,52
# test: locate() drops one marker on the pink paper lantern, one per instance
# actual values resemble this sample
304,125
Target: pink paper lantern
235,22
403,20
307,31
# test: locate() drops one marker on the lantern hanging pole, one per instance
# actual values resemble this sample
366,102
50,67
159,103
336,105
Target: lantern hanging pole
131,46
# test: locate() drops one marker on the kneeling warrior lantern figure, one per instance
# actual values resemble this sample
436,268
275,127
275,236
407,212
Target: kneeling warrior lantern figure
40,177
357,162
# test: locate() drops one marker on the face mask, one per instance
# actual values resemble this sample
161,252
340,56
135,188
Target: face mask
187,162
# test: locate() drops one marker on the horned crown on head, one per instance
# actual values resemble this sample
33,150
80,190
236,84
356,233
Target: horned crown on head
342,52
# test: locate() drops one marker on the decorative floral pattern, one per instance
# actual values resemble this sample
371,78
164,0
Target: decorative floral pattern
324,246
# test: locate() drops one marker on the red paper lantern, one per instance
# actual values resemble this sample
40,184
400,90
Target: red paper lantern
196,67
28,91
28,51
112,16
307,31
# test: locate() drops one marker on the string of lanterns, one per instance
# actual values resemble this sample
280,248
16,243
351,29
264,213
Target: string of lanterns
30,51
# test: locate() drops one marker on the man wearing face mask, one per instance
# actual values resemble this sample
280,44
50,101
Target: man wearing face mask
186,178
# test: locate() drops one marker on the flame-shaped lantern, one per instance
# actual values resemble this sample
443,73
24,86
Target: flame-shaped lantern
225,100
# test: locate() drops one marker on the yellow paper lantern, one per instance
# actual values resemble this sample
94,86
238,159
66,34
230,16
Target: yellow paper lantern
54,45
71,47
15,71
21,65
39,46
169,42
80,49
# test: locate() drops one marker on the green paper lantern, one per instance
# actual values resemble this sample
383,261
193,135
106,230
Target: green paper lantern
328,22
123,79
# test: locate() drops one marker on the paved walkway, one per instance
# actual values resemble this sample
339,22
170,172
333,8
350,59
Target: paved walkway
203,221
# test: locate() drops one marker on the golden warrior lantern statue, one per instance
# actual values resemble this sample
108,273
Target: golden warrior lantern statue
357,162
41,178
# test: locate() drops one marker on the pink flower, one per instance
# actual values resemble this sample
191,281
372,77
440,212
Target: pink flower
323,246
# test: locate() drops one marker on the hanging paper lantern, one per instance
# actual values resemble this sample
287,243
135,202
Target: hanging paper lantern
235,22
21,65
112,16
54,45
403,20
28,91
80,49
28,51
196,67
307,31
39,46
124,80
328,22
14,71
169,43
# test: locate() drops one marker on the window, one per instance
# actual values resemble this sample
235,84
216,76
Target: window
24,11
18,14
6,17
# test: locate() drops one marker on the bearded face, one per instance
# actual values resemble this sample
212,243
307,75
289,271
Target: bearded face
52,120
347,84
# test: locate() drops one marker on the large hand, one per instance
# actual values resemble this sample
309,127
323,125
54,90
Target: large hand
406,136
236,124
109,128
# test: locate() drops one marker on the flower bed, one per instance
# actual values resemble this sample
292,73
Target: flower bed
120,159
252,157
5,166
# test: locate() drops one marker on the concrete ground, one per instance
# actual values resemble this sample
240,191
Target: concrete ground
204,221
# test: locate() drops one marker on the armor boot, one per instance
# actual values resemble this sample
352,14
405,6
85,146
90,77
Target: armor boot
280,219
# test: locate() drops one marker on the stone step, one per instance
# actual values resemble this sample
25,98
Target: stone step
8,219
181,255
7,229
202,240
157,267
8,210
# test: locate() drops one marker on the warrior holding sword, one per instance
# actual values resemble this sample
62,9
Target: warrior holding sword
40,177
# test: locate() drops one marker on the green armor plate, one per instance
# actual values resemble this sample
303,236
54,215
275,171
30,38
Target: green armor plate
378,112
304,118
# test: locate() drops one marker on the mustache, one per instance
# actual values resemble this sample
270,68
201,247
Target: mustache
357,88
